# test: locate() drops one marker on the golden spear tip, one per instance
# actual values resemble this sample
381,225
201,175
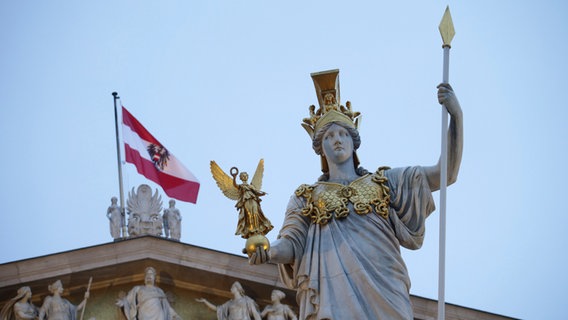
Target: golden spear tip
446,28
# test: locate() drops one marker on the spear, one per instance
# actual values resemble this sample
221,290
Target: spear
447,32
85,305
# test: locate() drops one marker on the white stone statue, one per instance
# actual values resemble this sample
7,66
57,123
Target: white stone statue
277,310
20,307
115,218
147,302
57,308
339,245
240,307
172,221
144,212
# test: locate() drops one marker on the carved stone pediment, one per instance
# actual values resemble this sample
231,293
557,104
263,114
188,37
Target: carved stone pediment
144,212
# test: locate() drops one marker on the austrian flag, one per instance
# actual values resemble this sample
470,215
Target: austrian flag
155,162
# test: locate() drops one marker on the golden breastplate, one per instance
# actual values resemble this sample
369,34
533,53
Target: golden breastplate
326,200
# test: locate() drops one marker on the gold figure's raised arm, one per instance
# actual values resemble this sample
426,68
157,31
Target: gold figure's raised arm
224,182
257,178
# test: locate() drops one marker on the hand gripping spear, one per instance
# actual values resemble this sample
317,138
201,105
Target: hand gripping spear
447,32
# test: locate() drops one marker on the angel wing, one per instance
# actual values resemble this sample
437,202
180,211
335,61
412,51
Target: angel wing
224,182
257,178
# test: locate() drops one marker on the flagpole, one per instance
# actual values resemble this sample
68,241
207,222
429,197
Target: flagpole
447,32
121,190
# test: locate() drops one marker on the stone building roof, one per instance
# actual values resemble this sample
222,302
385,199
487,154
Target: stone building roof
184,271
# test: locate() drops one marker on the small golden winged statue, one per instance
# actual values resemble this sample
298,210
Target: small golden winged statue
252,224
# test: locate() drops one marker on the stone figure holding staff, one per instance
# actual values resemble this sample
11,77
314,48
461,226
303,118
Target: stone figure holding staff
56,307
339,245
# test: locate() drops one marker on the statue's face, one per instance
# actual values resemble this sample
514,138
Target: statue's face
57,287
150,278
141,223
235,289
337,144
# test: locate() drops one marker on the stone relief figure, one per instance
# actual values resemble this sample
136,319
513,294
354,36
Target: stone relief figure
277,310
339,245
147,302
172,221
57,308
240,307
144,212
115,218
20,307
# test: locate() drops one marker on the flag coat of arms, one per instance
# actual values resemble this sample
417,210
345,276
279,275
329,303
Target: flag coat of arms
155,162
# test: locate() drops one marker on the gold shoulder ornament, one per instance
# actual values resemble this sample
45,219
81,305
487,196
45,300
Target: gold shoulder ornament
326,201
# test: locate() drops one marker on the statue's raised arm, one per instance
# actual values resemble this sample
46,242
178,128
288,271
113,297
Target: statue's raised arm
240,307
447,98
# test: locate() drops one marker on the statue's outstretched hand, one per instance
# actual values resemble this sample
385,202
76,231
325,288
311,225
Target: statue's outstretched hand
447,97
260,256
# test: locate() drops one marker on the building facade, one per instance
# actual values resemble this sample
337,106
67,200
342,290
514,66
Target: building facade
184,273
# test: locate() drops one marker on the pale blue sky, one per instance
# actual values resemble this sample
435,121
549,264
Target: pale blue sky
230,81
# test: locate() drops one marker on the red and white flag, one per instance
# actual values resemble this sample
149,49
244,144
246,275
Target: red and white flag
155,162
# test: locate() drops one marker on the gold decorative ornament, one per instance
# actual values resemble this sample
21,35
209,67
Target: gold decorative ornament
252,224
330,108
327,200
446,28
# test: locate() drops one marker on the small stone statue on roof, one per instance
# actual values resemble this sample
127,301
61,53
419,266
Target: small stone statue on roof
115,218
172,221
